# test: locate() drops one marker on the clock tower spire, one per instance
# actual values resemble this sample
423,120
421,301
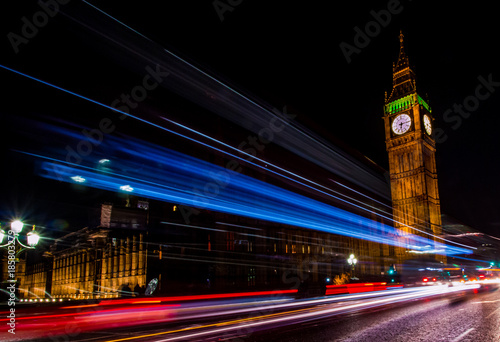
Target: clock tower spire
412,166
403,77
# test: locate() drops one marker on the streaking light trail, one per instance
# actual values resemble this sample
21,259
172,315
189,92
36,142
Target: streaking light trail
129,188
166,175
194,84
260,309
318,187
294,316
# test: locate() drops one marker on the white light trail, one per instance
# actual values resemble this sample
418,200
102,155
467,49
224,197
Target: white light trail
321,313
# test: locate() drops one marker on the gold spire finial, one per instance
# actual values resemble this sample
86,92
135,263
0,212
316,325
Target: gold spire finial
401,36
402,59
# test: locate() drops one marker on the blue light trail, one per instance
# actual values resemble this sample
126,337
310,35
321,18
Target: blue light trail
214,148
127,187
166,175
194,84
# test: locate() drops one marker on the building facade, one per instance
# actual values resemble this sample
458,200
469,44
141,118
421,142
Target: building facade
107,265
105,261
216,252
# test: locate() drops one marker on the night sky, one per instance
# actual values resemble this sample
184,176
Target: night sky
288,54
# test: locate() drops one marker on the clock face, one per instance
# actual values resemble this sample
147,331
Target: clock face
401,124
427,124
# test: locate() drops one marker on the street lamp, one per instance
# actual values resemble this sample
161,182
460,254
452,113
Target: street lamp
15,229
352,262
32,238
16,226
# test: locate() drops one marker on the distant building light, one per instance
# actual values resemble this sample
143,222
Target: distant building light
78,179
127,188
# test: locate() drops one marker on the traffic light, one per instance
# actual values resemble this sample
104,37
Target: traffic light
392,269
392,273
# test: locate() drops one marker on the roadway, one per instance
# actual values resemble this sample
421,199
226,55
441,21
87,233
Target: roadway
459,318
429,313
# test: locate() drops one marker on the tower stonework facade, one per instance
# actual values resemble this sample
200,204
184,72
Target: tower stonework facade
412,165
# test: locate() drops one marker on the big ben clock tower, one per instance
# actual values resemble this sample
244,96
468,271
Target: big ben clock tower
412,165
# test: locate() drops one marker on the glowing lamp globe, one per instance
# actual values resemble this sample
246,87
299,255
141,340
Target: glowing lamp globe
33,238
16,226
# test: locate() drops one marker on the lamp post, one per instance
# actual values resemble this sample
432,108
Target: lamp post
352,262
16,227
13,240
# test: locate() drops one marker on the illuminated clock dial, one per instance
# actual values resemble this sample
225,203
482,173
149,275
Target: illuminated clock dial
401,124
427,124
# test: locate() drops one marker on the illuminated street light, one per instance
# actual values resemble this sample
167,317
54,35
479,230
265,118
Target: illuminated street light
352,262
33,238
16,227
